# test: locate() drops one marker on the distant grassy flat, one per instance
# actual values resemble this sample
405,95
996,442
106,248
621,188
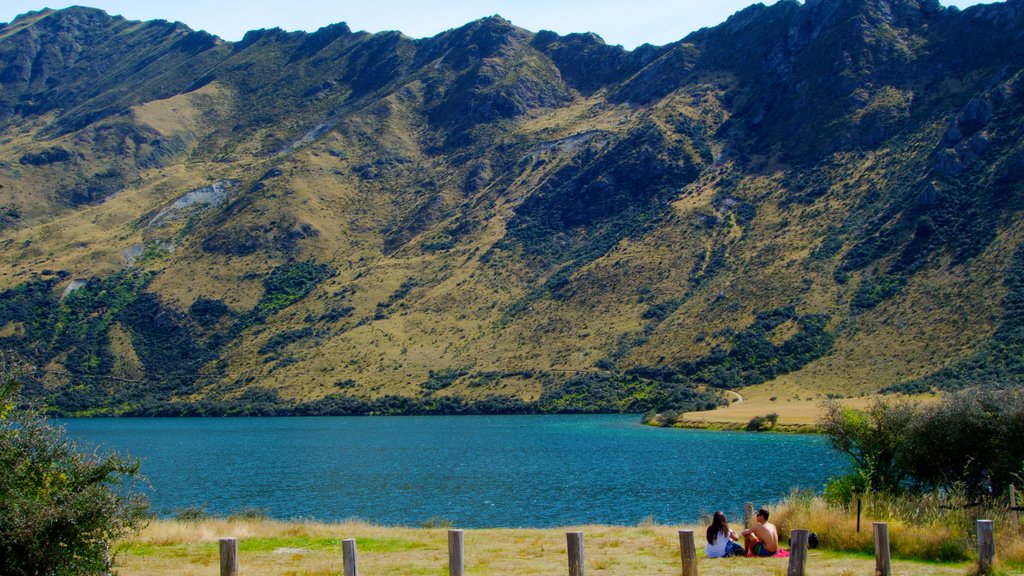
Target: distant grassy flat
795,405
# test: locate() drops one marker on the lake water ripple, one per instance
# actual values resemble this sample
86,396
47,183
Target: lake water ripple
471,471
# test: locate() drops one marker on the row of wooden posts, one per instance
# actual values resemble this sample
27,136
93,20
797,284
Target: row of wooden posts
687,551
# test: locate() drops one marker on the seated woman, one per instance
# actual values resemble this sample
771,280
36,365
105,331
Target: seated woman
720,539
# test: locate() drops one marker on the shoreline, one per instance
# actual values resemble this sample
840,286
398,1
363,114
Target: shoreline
728,426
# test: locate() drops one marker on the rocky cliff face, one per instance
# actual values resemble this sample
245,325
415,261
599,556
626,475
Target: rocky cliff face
822,196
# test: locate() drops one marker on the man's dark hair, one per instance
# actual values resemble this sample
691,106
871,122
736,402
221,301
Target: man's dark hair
762,512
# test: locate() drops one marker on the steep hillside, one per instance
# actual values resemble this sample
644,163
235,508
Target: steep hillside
817,199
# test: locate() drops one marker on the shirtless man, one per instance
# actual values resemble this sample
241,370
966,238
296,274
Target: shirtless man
762,539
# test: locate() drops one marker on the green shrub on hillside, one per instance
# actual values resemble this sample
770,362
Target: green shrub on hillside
173,346
751,356
611,393
75,328
289,283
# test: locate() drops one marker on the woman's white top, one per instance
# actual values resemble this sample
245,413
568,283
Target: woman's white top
717,549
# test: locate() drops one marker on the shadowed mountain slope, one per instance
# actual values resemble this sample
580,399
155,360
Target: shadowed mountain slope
823,197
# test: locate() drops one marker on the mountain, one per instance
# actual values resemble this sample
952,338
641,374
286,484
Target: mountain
811,199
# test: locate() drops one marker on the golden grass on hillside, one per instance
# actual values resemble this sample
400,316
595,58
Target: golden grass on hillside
169,547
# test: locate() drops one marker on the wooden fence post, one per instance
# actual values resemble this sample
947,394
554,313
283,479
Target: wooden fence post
986,547
883,562
858,515
575,550
456,564
748,514
229,557
1013,505
350,558
797,552
688,552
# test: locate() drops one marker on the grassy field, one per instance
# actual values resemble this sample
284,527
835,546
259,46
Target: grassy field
169,547
798,408
793,405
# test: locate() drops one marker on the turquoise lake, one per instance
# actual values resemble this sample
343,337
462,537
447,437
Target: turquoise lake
471,471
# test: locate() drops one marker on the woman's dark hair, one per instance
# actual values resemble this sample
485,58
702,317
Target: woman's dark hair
718,526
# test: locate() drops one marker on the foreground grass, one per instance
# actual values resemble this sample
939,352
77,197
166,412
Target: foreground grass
921,527
267,547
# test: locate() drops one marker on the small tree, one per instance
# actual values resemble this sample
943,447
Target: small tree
973,439
60,509
872,439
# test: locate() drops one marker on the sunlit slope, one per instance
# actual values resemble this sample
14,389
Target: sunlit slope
497,220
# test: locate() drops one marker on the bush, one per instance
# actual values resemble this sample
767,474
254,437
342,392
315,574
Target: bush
60,508
839,489
762,423
969,441
191,515
972,437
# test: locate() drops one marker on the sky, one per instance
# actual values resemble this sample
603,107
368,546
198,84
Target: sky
630,23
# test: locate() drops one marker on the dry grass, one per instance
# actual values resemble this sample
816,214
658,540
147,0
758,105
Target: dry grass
922,528
268,547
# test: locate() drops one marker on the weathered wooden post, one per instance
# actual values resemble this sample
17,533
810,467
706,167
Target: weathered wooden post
854,497
229,557
575,550
1013,507
883,561
797,553
986,547
455,553
350,558
858,515
688,552
748,514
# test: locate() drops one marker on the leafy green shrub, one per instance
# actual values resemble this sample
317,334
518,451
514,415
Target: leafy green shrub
51,155
284,338
60,508
288,284
208,311
441,379
191,515
839,489
762,423
871,292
